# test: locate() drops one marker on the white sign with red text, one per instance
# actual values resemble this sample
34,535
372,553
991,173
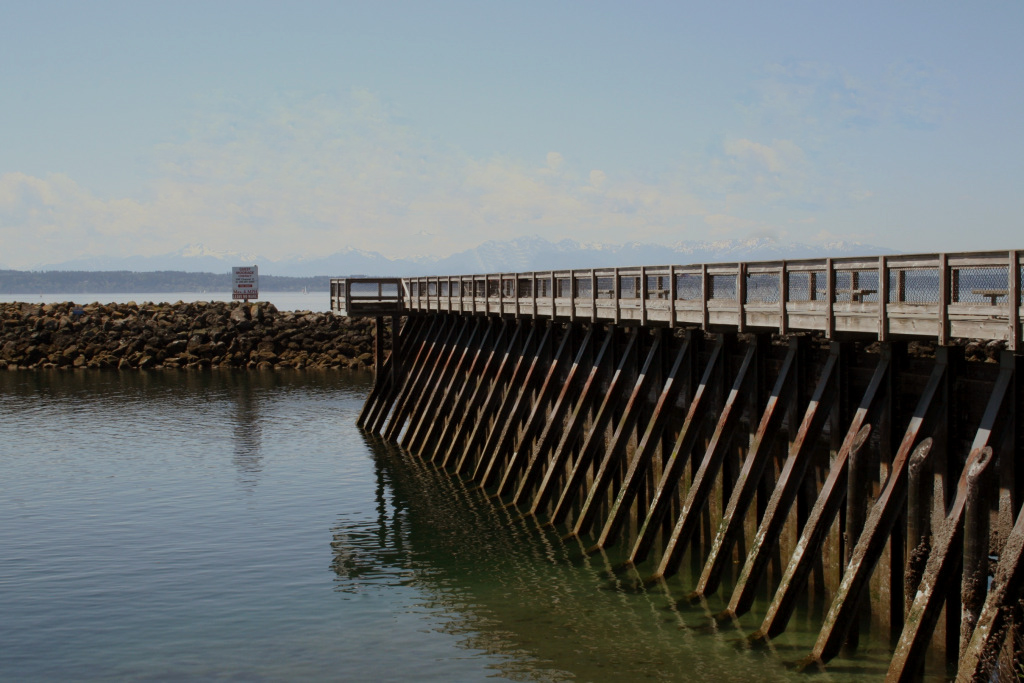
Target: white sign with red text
245,282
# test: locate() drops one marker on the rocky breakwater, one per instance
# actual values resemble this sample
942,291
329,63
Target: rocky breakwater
180,335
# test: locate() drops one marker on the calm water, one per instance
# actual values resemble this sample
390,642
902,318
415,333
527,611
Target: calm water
218,525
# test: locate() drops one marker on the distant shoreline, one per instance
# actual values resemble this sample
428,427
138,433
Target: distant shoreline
14,282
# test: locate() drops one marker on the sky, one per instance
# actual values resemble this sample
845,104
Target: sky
424,128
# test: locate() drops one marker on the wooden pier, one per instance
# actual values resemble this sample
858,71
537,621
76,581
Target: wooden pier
776,430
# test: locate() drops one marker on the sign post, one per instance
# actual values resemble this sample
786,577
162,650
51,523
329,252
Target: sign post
245,283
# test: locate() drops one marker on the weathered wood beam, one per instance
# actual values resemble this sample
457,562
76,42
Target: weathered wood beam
595,435
539,415
789,482
452,404
381,387
554,420
431,386
673,467
437,328
745,488
499,441
414,392
441,384
493,416
982,652
880,522
617,445
640,462
704,478
467,416
939,573
417,330
570,433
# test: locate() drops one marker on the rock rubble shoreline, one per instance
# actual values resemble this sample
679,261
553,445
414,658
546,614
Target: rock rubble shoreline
180,335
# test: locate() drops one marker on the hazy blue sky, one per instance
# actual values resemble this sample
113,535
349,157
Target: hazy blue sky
421,128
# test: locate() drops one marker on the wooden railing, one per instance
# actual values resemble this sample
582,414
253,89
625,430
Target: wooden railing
938,296
367,296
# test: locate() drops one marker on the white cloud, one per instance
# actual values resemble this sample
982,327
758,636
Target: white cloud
312,176
818,98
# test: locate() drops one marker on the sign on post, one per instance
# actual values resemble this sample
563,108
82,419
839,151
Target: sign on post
245,282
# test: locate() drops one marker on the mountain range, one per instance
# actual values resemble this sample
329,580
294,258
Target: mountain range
516,255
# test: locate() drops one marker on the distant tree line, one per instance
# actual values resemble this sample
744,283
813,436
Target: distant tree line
125,281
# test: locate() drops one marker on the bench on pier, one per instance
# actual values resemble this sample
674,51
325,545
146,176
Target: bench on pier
857,294
991,294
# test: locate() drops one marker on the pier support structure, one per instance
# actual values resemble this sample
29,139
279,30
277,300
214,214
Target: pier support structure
873,474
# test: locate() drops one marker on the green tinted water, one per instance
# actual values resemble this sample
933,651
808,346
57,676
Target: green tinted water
238,526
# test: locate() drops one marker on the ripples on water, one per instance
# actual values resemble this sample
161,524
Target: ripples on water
236,525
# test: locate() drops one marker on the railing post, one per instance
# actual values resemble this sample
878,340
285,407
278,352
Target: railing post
741,297
551,293
616,291
593,296
705,295
515,292
572,295
945,295
883,299
1013,299
533,294
671,297
643,295
783,298
830,294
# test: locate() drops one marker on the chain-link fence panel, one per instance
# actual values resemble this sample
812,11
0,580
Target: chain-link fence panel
979,285
629,287
657,286
807,285
762,288
856,286
723,287
688,286
914,285
606,288
583,287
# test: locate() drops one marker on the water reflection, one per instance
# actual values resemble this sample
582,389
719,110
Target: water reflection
247,431
516,592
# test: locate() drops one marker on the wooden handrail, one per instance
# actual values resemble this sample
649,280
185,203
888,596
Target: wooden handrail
910,295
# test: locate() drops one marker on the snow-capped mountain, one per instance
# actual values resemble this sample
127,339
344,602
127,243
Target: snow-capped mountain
516,255
193,258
